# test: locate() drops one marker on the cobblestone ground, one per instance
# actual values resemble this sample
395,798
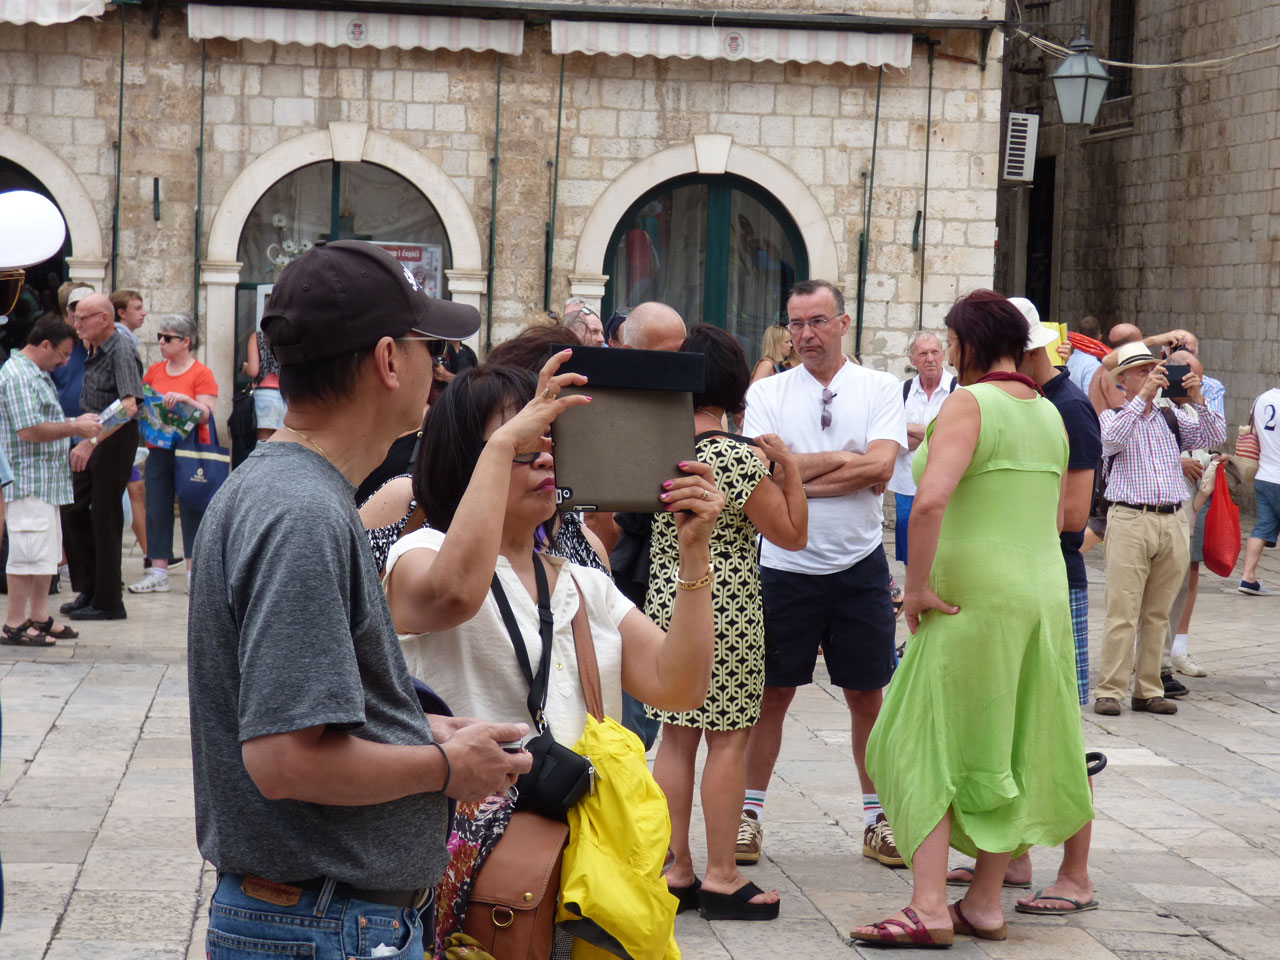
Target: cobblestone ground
97,833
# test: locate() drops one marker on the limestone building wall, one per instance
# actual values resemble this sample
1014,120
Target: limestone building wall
1167,210
59,96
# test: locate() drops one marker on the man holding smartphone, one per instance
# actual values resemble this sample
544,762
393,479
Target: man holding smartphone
320,784
1148,535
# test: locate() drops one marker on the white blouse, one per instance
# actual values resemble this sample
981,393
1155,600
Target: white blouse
473,666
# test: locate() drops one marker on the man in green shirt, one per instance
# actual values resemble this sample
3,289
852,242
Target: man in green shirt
33,434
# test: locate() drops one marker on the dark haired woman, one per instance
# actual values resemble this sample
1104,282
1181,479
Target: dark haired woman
978,744
754,503
485,475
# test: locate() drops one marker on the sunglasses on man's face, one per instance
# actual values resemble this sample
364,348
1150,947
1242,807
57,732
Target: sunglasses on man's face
168,337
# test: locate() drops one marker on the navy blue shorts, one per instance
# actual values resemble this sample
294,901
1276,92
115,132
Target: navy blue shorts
848,614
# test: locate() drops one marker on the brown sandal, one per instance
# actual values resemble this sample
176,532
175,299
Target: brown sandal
965,928
913,934
18,636
63,633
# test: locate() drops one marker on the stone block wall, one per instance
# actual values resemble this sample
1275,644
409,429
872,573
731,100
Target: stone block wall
60,85
1169,215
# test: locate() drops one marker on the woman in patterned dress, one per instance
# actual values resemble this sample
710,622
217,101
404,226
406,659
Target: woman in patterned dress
754,503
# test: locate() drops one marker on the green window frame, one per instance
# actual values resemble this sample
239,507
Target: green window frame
720,188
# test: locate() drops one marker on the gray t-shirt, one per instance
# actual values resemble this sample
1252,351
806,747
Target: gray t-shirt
289,629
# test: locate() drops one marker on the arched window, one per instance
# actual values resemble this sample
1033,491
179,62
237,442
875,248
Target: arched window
719,249
336,201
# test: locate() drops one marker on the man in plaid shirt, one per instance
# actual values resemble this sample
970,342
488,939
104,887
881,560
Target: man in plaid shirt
1148,535
33,435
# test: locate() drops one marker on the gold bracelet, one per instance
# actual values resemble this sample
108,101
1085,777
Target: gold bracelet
702,581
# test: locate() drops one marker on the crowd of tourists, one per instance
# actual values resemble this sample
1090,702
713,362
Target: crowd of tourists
422,695
74,464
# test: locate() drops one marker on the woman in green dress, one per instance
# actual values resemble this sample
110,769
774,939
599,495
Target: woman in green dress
978,744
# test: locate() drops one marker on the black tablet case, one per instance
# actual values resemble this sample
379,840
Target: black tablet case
615,453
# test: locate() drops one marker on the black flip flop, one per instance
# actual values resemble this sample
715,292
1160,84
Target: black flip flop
687,896
736,905
969,871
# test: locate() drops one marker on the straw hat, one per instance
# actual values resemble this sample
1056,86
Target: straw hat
1131,355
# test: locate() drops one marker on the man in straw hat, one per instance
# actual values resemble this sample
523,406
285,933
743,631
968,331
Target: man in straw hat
1148,535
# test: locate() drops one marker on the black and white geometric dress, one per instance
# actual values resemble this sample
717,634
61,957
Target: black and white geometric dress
737,678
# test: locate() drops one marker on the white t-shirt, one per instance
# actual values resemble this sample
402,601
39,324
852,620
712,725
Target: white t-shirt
867,406
919,408
1266,422
473,666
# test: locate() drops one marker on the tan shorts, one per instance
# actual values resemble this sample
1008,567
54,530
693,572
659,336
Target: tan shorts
35,537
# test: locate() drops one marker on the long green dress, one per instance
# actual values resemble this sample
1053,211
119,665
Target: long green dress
983,715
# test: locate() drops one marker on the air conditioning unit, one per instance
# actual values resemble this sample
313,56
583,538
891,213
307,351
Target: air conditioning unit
1020,146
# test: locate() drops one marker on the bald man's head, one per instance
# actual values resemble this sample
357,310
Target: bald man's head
1123,333
94,319
1190,359
653,326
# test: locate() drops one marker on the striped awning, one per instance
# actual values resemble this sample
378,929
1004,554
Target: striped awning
47,12
331,28
731,43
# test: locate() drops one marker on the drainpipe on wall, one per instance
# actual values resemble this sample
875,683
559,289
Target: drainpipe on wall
195,298
924,213
493,208
864,241
555,189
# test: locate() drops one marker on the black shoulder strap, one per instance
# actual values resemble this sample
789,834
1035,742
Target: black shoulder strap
1171,418
720,433
954,384
906,390
537,684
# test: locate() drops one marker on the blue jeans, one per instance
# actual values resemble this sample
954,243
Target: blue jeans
158,471
902,511
242,927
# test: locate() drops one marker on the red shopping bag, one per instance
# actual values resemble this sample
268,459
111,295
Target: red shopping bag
1221,528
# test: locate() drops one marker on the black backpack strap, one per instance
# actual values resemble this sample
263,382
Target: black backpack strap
954,383
537,701
906,390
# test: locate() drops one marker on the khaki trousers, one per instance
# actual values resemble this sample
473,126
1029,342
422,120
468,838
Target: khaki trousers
1147,556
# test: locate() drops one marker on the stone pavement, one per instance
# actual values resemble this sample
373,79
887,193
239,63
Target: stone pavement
97,832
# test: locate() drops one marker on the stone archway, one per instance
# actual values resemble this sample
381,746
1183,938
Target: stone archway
87,262
343,142
707,154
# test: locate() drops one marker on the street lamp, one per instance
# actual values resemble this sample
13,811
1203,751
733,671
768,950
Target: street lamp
1080,83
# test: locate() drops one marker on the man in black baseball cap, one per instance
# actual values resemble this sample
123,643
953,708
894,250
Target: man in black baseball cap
300,691
342,297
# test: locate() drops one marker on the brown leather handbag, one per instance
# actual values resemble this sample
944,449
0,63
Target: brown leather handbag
512,908
511,912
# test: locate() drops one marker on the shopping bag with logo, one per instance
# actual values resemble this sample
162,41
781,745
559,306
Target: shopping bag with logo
199,469
1221,528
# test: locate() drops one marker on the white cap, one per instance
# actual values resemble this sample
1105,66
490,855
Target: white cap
1038,335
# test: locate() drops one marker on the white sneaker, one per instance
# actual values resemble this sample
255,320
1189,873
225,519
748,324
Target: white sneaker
1188,667
154,580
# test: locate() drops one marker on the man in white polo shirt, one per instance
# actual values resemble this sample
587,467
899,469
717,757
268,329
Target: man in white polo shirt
846,425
